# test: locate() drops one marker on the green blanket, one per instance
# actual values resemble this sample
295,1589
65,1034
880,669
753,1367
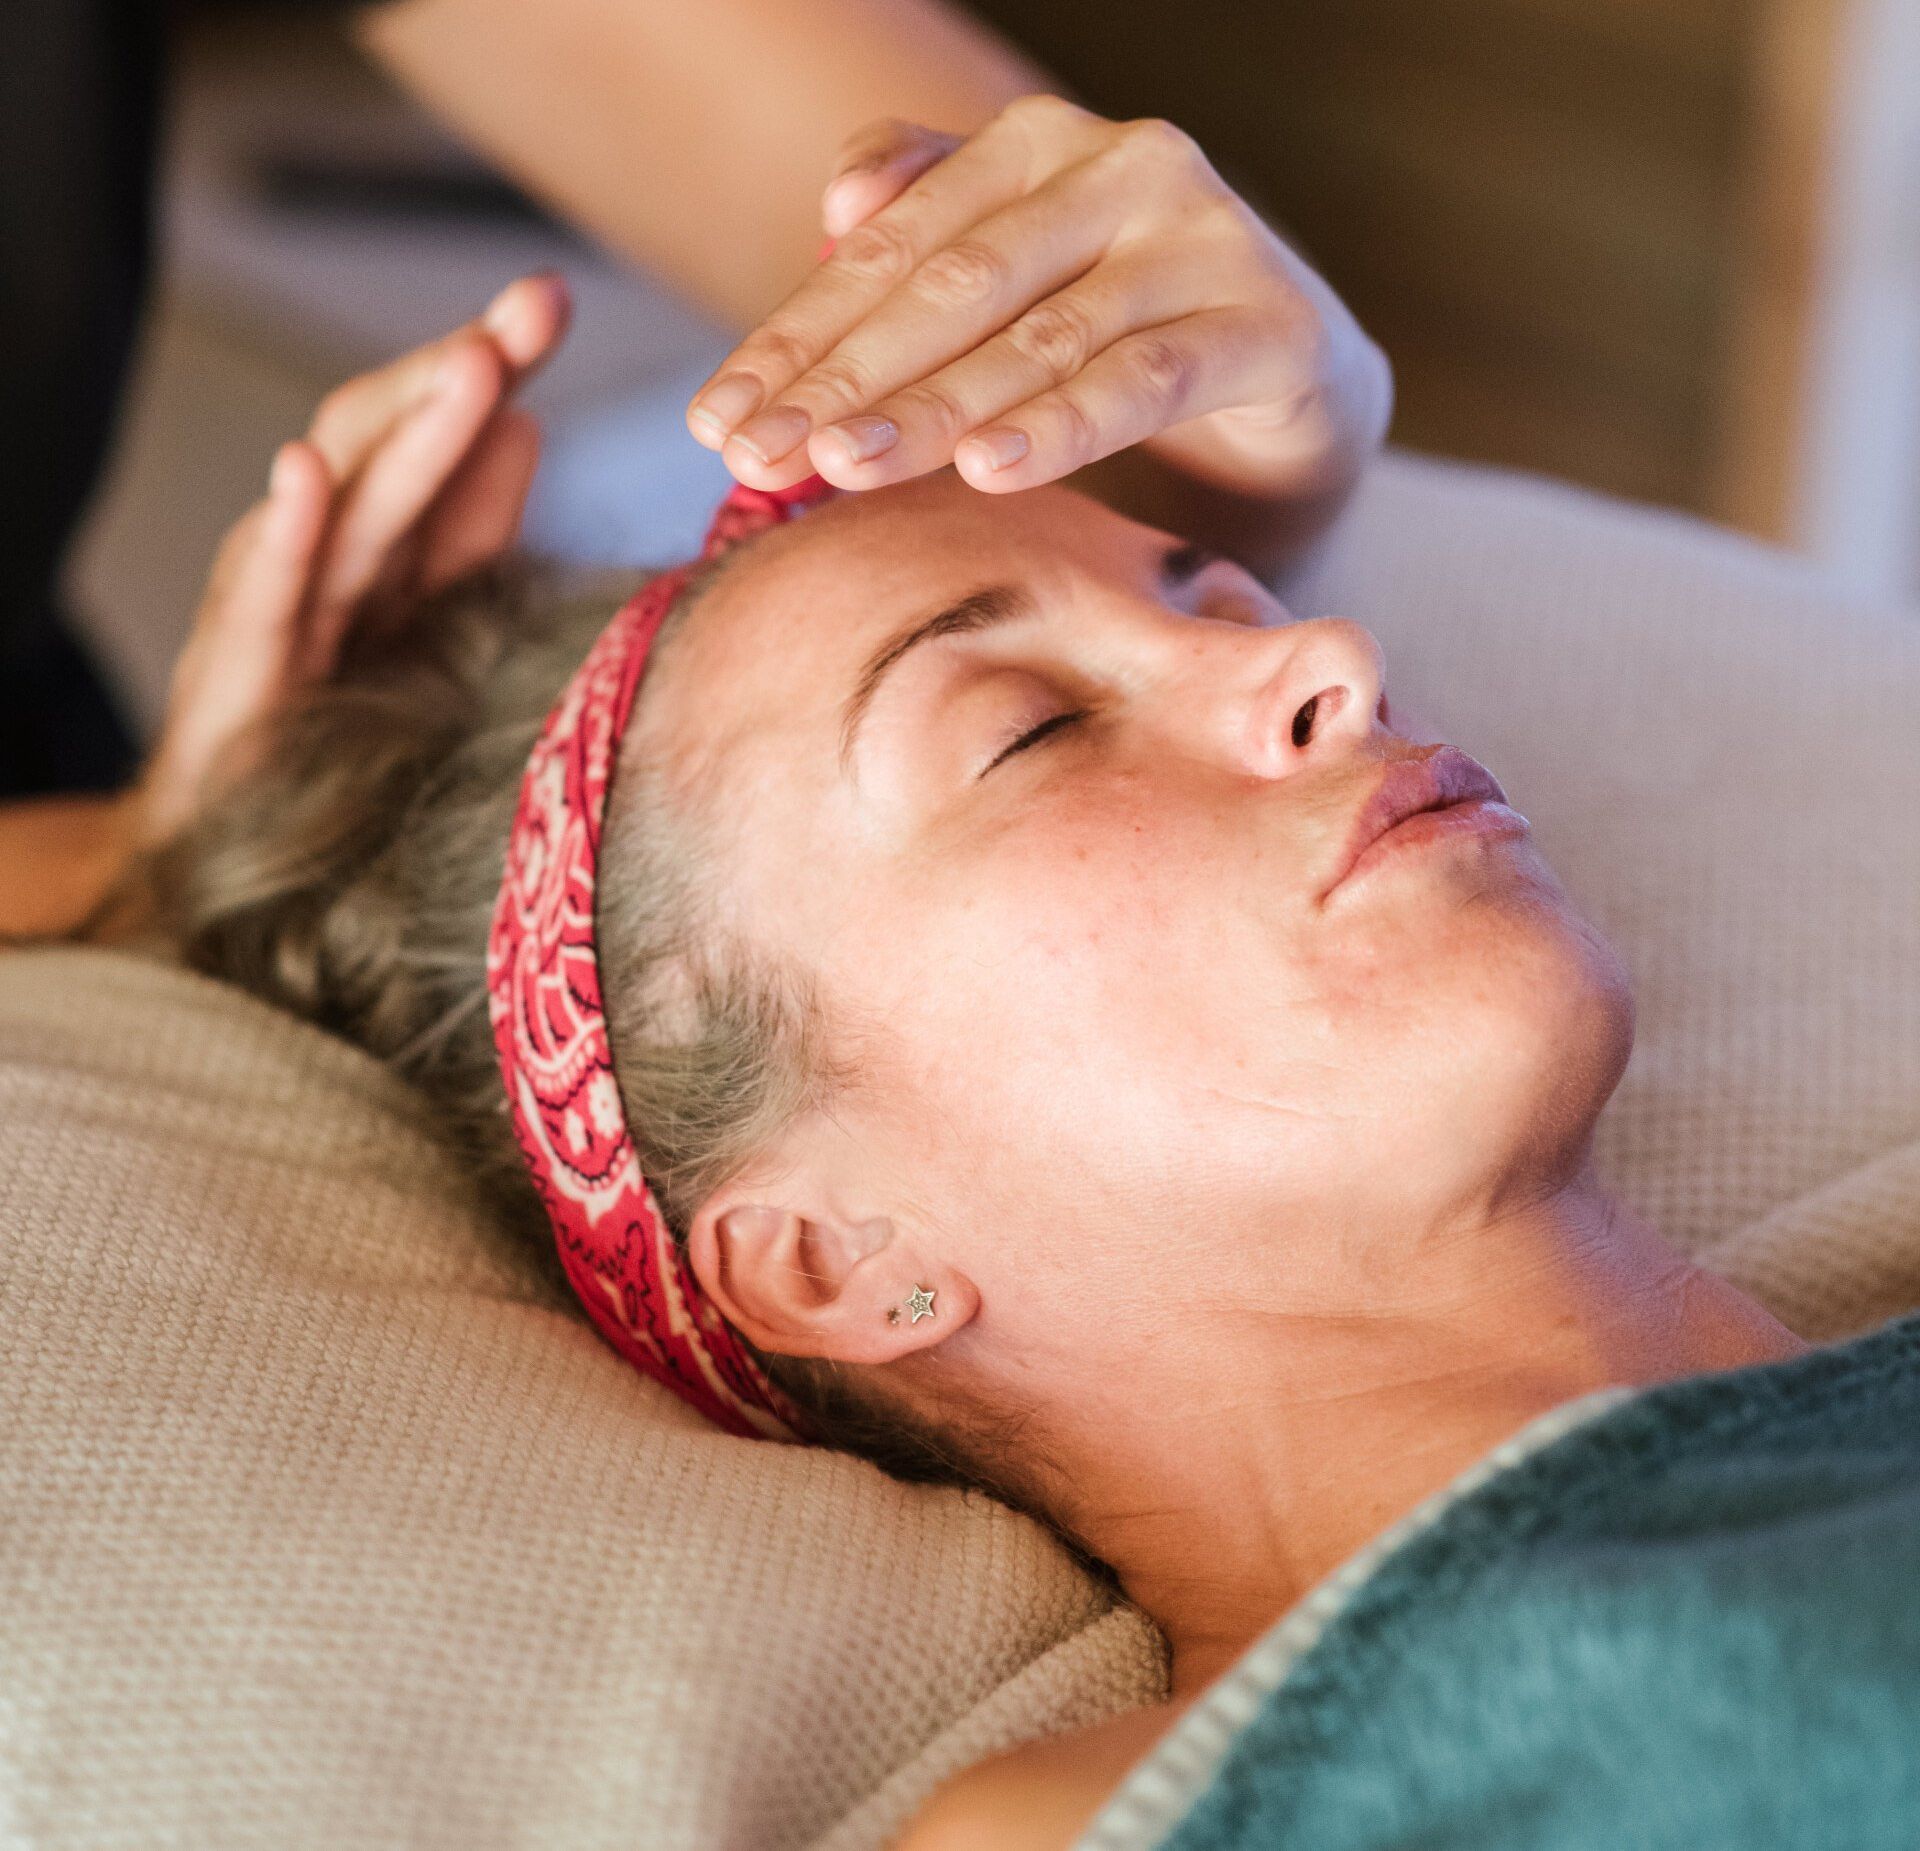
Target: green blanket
1688,1618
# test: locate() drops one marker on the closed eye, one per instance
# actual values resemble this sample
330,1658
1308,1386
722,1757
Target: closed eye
1033,735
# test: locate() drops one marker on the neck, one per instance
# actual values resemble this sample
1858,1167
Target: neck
1319,1431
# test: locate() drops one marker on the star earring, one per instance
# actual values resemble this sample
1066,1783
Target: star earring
920,1304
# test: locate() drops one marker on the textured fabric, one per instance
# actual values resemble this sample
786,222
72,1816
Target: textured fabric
1686,1624
548,1011
326,1519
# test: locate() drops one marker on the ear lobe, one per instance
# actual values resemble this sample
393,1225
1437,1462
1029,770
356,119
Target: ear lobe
814,1285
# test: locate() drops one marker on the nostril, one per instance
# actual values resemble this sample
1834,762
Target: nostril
1321,708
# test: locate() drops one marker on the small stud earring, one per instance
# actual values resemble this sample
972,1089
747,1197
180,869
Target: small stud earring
920,1304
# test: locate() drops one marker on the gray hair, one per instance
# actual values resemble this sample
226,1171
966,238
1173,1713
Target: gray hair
350,877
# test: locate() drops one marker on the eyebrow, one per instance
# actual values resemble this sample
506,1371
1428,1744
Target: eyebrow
992,605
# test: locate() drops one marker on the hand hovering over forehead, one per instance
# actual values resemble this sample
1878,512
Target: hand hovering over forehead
1039,296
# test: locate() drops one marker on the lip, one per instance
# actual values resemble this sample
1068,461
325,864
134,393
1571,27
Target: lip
1440,779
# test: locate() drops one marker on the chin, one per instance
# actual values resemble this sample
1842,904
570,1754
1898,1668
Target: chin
1549,1034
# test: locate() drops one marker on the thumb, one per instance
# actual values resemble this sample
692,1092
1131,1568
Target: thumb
875,166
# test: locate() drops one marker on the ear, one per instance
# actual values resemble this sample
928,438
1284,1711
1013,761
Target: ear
799,1275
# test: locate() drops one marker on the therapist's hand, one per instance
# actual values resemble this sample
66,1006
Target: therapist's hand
408,478
1042,294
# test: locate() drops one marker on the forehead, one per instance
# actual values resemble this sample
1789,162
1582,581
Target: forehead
751,688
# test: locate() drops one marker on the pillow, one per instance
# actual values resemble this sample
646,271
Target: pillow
326,1518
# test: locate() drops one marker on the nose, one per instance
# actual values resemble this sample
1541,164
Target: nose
1311,688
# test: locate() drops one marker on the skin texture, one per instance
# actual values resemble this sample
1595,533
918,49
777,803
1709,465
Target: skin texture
1273,1213
1046,297
695,138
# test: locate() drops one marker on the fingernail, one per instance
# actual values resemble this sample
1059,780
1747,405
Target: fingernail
997,449
837,207
280,476
495,320
836,203
771,435
860,440
735,397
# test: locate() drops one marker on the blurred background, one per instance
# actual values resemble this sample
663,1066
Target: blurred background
1668,249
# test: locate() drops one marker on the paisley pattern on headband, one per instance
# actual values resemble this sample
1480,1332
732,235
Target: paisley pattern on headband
550,1027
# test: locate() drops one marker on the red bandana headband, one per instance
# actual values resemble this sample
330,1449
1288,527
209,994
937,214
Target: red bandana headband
550,1026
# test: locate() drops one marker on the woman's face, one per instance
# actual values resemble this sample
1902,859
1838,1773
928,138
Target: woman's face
1124,1048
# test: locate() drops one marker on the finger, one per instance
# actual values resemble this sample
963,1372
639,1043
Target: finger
524,322
259,576
989,171
368,541
770,476
246,639
954,302
477,517
268,592
1130,391
528,320
355,418
1043,348
876,168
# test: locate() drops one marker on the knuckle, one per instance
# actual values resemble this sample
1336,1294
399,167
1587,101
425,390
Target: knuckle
1154,138
1222,219
838,382
1163,368
1041,108
775,353
963,275
931,405
878,251
1078,435
1057,335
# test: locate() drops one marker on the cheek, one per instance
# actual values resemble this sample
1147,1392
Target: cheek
1076,962
1100,1009
1094,905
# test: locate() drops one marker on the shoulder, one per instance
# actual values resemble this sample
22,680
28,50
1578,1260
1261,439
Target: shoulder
1041,1796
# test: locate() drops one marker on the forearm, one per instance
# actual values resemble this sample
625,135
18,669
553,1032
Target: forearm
694,135
58,858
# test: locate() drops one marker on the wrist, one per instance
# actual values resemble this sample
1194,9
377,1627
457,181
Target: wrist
59,858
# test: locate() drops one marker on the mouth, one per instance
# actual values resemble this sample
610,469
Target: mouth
1439,779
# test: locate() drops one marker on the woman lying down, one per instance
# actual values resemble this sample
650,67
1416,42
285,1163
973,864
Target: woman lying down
961,974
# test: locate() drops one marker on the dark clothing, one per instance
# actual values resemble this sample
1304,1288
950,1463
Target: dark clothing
80,103
79,95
